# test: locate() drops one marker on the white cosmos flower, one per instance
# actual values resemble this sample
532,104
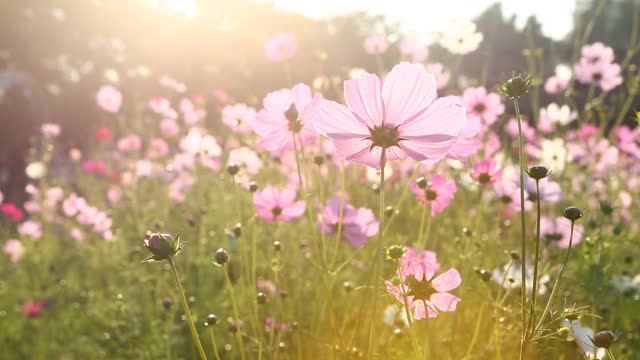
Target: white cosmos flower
394,315
246,159
509,276
461,38
373,175
558,114
625,284
36,170
553,154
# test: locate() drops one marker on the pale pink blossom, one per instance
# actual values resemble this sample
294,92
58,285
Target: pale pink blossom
413,49
280,47
14,249
50,130
275,205
376,44
437,194
109,98
169,127
486,172
483,104
401,116
441,75
129,143
358,224
239,118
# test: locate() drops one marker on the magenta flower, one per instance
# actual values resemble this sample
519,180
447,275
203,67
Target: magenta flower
376,44
400,116
358,224
11,211
558,231
485,105
486,172
109,98
437,194
279,122
14,249
596,67
275,205
425,294
130,143
31,309
280,47
239,118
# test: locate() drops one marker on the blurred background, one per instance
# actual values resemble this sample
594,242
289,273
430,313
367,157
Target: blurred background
55,54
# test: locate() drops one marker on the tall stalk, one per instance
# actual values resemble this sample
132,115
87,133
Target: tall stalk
536,264
185,308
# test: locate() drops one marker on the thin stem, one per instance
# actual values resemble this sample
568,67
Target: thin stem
235,311
380,249
423,217
523,227
412,334
213,343
610,354
185,308
476,331
555,284
536,264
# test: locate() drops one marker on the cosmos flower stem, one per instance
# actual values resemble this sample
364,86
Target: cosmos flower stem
555,284
403,196
343,184
427,335
536,262
476,332
423,217
234,305
377,265
523,227
610,354
213,344
185,308
412,332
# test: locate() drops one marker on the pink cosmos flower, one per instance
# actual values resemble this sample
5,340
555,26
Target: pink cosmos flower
129,143
77,235
275,205
31,309
413,254
558,231
597,53
485,105
486,172
287,113
358,224
466,144
30,228
169,127
376,44
172,83
158,148
437,194
426,295
14,249
606,76
280,47
50,130
159,105
95,167
556,84
400,116
239,118
114,195
441,75
416,51
109,98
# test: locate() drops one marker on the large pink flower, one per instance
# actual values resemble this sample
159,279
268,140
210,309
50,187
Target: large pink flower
275,205
437,194
400,116
280,47
426,295
279,122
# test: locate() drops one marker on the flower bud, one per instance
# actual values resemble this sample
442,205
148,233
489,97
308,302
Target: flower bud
237,229
538,172
348,286
212,320
421,182
253,186
484,274
395,252
222,257
261,298
388,211
604,339
277,246
516,86
162,246
572,213
514,255
167,303
606,208
318,160
232,169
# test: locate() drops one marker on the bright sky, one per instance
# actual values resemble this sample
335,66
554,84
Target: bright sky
424,18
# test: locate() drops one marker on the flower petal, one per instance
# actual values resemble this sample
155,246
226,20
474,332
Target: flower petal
363,98
335,118
407,91
445,301
447,281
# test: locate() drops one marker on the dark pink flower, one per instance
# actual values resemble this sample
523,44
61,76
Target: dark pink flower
31,309
486,172
483,104
358,224
437,194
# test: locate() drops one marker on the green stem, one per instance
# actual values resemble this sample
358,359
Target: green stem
523,228
555,284
185,308
379,251
234,305
213,343
536,264
610,354
423,217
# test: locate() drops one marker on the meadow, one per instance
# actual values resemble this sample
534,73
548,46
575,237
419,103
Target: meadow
401,213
